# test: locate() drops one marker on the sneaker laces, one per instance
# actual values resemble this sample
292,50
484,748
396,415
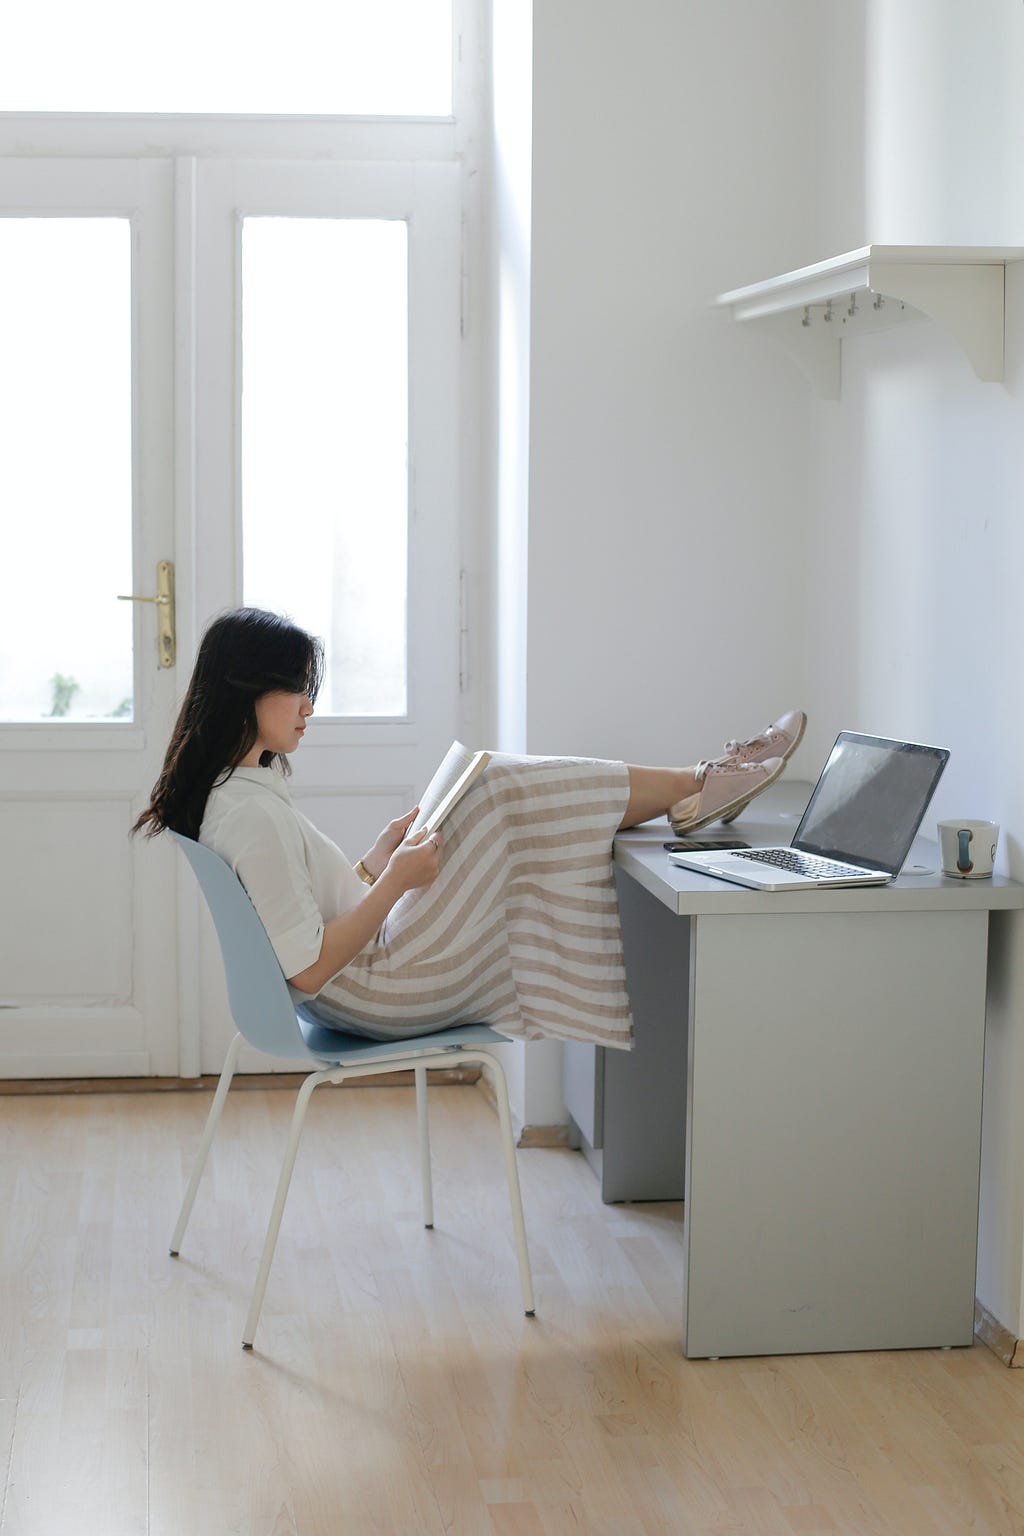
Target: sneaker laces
713,765
763,738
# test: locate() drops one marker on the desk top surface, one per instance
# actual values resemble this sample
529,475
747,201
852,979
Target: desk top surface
772,818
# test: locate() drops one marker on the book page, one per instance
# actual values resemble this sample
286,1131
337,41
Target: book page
453,776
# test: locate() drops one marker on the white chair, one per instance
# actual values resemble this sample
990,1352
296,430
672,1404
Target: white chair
265,1015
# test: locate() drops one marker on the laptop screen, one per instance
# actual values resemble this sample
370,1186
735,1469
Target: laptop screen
870,800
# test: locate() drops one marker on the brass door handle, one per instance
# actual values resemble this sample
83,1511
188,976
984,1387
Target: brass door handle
165,610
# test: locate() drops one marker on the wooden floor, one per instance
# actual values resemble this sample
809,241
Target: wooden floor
395,1386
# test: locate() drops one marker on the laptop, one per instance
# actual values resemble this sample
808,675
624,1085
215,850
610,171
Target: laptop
857,828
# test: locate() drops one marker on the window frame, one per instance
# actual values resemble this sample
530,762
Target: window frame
350,136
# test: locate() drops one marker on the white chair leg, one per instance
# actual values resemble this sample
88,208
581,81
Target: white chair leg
284,1179
512,1171
420,1074
212,1121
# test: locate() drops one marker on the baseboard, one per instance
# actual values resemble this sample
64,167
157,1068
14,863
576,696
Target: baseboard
544,1136
526,1135
999,1340
29,1086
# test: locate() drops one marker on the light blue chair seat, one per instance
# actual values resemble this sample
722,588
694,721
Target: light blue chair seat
265,1016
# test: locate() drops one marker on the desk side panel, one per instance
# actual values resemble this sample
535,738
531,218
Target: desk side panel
836,1129
645,1089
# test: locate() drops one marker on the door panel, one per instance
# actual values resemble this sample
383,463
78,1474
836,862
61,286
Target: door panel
87,930
354,770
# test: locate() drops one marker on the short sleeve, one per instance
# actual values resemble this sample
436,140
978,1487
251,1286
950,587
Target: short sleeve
266,851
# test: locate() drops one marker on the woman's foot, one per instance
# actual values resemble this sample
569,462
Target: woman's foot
780,739
725,788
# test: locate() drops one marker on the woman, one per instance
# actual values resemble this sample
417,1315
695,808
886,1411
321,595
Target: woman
508,918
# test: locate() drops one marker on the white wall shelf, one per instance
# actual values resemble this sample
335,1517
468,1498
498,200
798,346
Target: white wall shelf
809,311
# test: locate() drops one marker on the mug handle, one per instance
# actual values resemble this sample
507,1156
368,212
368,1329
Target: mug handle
964,862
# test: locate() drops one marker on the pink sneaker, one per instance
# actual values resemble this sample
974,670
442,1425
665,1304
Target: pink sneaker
726,787
780,739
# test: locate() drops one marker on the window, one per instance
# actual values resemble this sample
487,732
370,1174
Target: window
310,57
65,469
325,438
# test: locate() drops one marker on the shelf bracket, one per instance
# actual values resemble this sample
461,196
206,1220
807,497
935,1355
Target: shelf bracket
966,300
815,350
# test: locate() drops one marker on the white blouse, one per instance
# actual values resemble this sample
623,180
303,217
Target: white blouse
297,879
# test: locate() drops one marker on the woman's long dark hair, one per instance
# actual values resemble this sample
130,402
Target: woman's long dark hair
243,655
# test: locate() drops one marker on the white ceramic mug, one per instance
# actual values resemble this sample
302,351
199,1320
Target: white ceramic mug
967,849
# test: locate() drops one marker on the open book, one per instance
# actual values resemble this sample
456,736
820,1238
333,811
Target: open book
458,770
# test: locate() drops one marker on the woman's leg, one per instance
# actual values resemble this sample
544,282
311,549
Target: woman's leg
469,948
694,797
743,770
653,790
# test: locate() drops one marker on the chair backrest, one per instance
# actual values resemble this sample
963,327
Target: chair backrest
261,1004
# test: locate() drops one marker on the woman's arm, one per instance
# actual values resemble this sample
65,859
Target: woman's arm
410,865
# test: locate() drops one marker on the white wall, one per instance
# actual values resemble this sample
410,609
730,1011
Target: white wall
919,503
673,152
673,149
508,283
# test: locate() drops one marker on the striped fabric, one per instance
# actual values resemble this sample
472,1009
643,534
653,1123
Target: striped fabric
521,928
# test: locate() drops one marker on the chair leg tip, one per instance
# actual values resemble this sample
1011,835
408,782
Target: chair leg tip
531,1313
246,1346
173,1252
429,1226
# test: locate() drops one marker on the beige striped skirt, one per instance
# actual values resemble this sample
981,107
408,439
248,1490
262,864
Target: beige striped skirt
520,929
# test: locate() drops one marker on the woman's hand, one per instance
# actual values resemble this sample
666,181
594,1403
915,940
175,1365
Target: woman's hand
375,862
413,863
416,861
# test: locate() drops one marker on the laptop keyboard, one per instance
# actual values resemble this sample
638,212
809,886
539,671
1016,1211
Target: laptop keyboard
798,863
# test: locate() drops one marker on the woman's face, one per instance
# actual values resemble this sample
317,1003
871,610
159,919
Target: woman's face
280,720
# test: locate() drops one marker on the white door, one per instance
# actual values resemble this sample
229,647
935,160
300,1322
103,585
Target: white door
87,917
250,370
327,324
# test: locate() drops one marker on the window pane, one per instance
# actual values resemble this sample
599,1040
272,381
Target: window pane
325,444
65,469
306,58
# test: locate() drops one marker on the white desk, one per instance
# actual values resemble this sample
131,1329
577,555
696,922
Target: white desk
832,1109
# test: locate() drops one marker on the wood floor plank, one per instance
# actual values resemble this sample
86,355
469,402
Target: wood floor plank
396,1387
8,1417
34,1460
